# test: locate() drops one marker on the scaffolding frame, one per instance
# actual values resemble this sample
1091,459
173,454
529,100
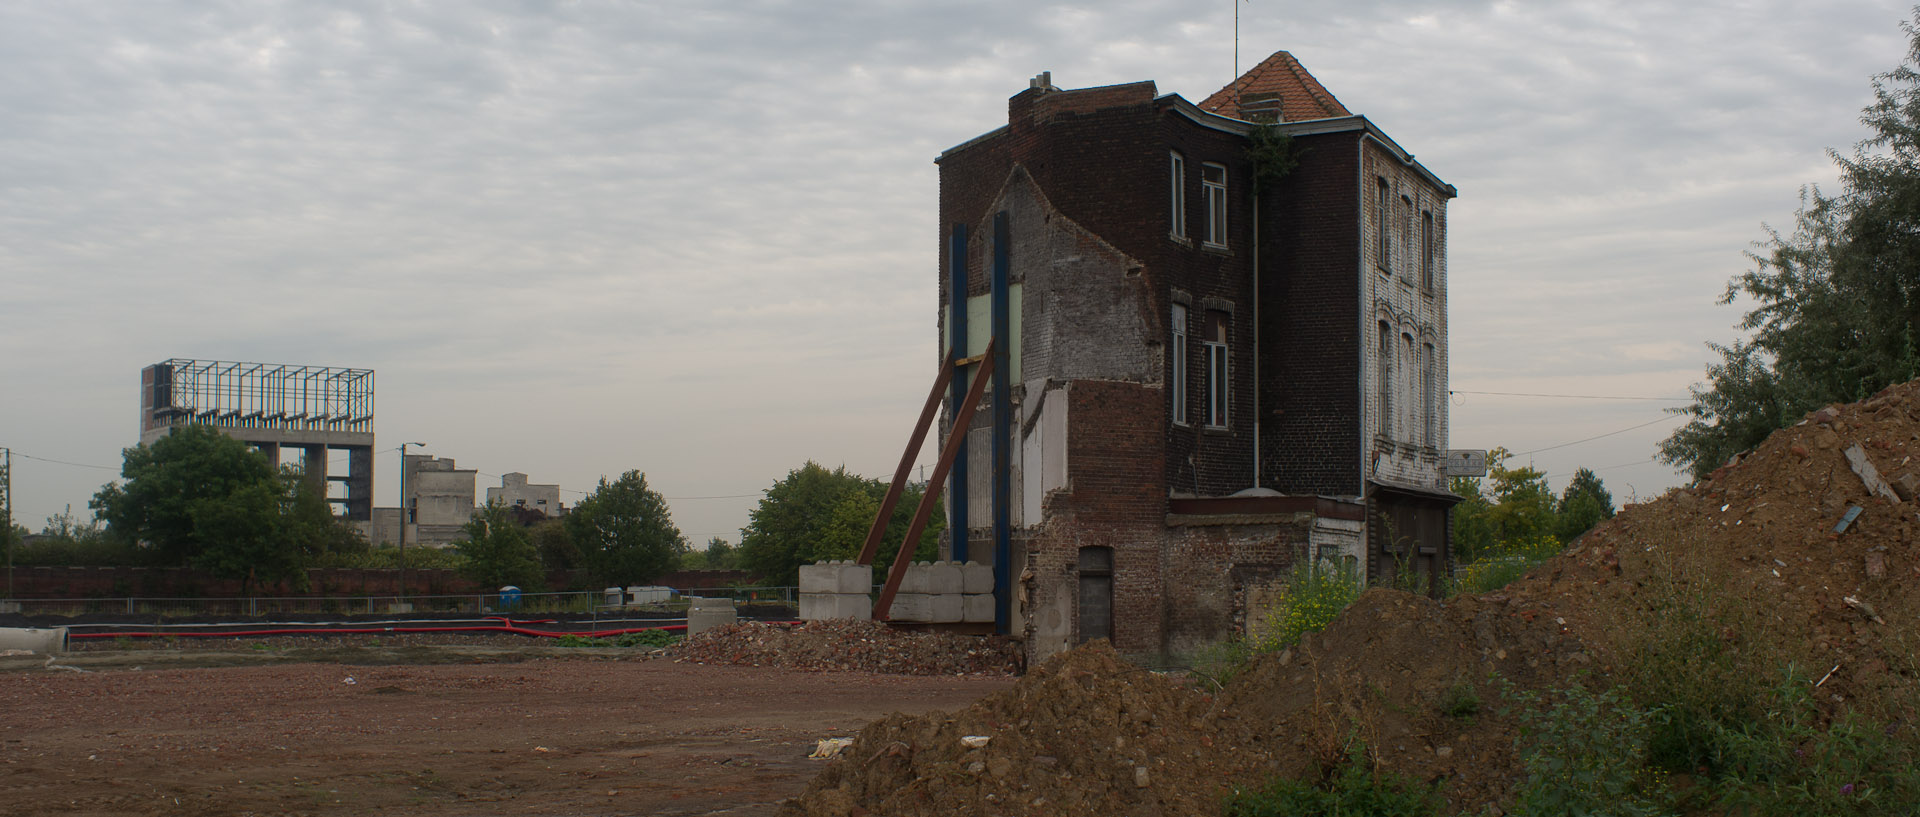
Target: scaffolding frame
236,394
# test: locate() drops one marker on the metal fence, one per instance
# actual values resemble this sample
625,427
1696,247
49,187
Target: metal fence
579,601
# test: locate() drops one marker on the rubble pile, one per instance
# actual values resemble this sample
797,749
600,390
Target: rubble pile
1085,733
848,645
1759,550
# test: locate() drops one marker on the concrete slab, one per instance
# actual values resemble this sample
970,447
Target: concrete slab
707,613
944,577
912,607
976,609
945,608
836,577
823,606
976,578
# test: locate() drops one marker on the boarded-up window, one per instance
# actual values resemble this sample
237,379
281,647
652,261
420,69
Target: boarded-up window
1096,594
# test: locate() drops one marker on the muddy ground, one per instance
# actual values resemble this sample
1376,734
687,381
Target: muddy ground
475,730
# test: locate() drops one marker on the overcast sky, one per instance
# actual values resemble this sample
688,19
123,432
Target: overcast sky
700,239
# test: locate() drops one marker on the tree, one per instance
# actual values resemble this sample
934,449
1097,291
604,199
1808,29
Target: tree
244,535
624,531
499,551
719,555
556,547
1837,315
1512,513
190,471
1583,504
816,514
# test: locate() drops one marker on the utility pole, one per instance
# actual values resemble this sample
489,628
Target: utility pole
6,511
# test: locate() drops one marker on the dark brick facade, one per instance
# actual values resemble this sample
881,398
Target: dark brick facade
1084,176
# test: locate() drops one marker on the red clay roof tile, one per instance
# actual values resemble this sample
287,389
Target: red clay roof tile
1301,96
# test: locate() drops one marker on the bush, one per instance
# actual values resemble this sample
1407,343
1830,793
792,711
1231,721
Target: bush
1503,563
1313,598
1352,789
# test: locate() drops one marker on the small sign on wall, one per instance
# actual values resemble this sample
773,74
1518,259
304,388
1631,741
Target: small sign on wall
1465,462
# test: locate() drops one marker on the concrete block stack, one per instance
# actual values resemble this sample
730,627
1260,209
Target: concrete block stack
945,593
835,590
707,613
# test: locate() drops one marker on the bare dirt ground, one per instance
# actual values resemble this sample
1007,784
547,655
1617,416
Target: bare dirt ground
577,732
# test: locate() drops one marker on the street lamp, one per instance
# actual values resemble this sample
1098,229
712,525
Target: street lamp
405,511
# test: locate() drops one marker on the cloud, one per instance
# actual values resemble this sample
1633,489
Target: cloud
699,239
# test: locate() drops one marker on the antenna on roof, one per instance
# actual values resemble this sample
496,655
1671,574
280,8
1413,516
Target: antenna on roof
1236,41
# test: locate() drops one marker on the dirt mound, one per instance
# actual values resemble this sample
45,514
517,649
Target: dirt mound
845,645
1750,560
1085,733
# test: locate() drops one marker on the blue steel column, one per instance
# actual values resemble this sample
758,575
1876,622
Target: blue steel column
957,349
1002,431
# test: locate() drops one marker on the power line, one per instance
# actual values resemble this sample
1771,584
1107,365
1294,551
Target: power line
1572,396
1599,436
63,462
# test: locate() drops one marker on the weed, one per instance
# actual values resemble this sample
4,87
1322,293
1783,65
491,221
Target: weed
1460,700
1352,787
1584,753
1313,598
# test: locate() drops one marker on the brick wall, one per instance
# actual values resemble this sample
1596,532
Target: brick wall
1309,308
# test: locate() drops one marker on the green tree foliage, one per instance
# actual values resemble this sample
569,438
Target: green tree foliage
816,514
1583,504
200,498
624,532
1837,300
499,551
170,483
1513,512
555,545
720,554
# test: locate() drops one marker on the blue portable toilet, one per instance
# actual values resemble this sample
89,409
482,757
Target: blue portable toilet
509,597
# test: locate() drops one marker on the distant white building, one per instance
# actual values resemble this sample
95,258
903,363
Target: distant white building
515,491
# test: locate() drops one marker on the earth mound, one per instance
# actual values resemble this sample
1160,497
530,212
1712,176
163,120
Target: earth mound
1753,563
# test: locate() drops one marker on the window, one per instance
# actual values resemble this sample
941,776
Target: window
1096,593
1410,423
1179,376
1178,201
1406,228
1383,241
1216,343
1384,369
1213,179
1426,249
1430,394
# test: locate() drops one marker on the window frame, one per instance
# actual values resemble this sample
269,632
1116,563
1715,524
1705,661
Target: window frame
1179,374
1177,197
1385,378
1215,194
1427,246
1383,232
1219,372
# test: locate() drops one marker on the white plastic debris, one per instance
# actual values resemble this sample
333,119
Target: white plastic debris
830,747
975,741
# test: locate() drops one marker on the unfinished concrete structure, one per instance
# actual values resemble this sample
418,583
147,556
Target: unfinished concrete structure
439,496
313,409
1203,384
515,491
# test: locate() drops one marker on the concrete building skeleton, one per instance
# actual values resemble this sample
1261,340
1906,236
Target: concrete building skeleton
1207,384
315,409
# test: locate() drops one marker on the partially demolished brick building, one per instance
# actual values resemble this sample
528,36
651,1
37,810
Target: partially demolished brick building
1209,383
